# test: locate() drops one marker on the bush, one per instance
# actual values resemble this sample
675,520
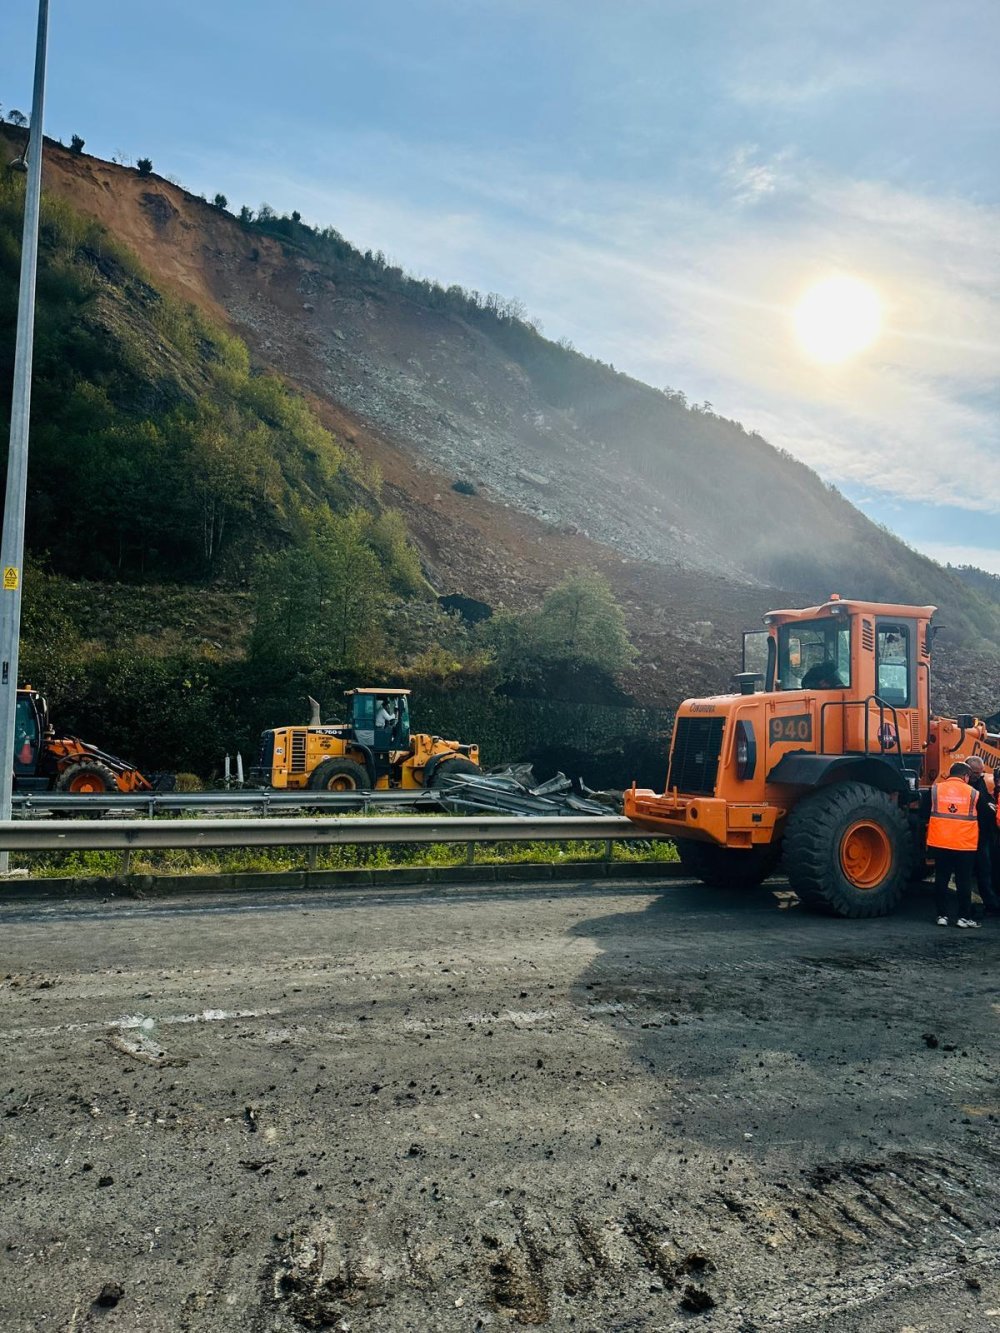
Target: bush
76,144
144,166
221,202
579,631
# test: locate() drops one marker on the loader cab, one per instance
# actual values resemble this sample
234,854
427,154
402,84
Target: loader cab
867,664
29,730
367,705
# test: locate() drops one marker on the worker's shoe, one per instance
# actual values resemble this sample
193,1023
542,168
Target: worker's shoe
942,921
967,923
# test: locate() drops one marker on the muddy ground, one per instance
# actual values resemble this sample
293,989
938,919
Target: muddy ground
589,1108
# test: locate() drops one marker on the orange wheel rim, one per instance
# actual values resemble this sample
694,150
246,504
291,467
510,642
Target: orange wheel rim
86,783
342,782
865,854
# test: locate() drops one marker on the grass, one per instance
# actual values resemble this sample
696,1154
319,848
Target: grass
385,856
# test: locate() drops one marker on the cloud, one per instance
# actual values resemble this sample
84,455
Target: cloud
749,179
983,557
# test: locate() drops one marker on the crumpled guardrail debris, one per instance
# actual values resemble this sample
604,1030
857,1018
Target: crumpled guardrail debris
514,791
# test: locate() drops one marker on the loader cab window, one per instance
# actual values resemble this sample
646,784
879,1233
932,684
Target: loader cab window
25,737
401,732
363,718
892,665
368,718
814,655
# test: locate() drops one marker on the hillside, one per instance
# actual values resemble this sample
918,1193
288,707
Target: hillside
698,525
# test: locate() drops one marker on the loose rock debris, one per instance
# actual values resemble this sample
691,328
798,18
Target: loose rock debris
141,1046
109,1295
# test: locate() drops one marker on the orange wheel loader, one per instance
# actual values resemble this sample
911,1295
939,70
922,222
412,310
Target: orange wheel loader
824,759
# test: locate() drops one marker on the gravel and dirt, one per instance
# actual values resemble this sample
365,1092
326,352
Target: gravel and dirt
583,1107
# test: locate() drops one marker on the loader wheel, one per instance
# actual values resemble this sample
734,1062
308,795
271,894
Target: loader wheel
849,850
339,775
88,778
452,768
727,867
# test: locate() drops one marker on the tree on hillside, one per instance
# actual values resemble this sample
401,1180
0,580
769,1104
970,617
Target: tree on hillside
17,117
221,202
580,627
246,215
322,606
76,144
144,166
581,621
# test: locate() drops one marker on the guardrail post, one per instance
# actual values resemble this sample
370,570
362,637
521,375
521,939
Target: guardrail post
470,853
311,858
609,849
127,861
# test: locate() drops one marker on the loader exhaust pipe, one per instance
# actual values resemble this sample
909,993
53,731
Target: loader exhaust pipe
314,718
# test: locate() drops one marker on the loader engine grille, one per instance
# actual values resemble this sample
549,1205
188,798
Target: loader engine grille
694,762
298,755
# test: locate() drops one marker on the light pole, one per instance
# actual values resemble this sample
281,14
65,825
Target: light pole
12,541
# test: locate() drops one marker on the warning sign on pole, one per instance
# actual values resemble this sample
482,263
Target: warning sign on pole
11,578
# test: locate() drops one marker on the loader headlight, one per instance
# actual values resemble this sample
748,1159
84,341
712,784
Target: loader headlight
746,750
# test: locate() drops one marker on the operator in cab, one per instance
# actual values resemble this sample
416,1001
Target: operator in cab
822,676
385,724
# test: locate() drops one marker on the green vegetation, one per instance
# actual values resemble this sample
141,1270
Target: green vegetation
157,450
578,630
50,865
232,664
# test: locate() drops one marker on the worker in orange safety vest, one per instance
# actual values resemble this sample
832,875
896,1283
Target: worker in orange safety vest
952,839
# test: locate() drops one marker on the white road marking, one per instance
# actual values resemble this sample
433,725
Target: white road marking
127,1021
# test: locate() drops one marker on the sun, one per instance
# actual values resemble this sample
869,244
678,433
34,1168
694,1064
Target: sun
837,318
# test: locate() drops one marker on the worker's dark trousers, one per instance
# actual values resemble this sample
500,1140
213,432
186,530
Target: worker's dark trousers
961,865
984,872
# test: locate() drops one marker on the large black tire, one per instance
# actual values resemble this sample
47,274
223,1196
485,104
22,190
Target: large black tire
727,867
451,768
339,775
849,850
87,777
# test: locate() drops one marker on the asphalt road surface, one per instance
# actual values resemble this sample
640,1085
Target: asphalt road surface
585,1107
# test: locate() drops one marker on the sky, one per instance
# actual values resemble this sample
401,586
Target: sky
659,181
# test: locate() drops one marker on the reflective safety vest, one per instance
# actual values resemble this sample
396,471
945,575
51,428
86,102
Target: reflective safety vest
953,823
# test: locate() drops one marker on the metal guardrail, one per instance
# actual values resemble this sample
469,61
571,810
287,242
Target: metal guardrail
259,799
20,835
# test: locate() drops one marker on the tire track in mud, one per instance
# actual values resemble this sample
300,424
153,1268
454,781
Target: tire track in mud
539,1266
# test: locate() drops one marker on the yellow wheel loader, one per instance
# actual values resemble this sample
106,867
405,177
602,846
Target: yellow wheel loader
373,750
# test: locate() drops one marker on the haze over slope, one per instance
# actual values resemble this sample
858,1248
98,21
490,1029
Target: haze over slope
694,519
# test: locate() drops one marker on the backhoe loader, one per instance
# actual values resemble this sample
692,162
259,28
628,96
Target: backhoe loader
825,759
44,761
